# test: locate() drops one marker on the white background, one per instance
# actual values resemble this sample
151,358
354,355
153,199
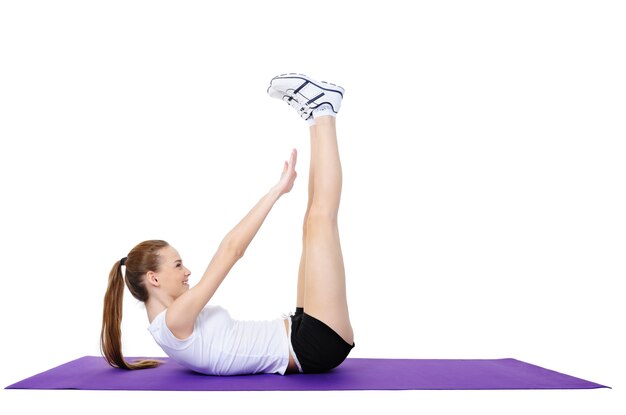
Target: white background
483,208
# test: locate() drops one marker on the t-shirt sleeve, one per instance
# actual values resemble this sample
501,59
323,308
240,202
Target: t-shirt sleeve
166,337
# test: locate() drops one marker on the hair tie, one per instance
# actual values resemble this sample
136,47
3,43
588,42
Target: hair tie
123,261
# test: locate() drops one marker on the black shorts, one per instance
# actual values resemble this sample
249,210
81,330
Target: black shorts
317,347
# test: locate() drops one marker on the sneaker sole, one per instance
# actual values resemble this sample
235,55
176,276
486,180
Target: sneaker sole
328,85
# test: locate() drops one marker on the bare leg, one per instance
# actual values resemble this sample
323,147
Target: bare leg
301,270
321,280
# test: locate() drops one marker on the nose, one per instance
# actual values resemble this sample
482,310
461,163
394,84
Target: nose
187,272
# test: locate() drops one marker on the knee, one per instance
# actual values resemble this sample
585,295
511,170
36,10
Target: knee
320,218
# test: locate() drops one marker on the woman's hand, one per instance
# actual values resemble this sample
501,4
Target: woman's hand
288,177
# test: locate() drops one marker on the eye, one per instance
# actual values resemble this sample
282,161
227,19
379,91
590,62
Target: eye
179,265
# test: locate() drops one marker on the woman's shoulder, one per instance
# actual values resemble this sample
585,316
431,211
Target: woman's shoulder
158,319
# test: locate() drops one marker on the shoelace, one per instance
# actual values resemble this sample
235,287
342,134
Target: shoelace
302,109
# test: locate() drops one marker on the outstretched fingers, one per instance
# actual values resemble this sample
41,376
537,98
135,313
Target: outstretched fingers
288,176
293,158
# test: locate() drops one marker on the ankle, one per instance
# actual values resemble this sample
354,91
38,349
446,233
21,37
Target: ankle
325,119
323,111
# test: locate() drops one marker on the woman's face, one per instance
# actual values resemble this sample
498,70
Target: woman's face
172,276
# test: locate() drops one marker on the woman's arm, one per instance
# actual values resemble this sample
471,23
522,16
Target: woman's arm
182,313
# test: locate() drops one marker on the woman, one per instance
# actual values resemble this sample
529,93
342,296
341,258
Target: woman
204,338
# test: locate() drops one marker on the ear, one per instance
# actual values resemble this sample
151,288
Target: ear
152,279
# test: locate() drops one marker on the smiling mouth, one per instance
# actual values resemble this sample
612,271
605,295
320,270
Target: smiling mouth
186,282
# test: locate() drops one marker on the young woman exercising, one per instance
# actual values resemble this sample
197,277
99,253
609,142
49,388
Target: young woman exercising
204,338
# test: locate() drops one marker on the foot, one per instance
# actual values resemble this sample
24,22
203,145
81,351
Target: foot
305,94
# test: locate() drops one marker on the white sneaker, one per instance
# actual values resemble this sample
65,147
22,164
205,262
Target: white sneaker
305,94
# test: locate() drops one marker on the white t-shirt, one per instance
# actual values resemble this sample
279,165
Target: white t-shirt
220,345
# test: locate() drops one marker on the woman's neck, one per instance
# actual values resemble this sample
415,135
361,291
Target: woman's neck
154,307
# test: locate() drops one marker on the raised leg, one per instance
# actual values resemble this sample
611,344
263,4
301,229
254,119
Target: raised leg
322,282
302,268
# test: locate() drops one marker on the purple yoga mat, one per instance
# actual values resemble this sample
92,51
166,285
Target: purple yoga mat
91,372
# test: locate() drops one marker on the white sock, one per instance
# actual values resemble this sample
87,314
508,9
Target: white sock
324,109
311,121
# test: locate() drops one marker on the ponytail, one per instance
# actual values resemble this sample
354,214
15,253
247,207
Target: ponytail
111,334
